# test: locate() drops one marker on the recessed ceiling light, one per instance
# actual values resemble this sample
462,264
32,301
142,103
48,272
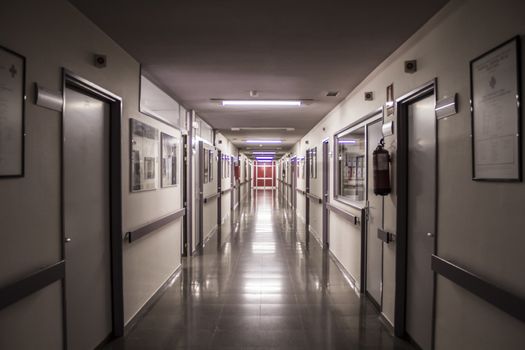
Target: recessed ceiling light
268,103
263,152
264,158
263,141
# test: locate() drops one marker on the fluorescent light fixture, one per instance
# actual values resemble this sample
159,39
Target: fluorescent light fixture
269,103
239,128
264,161
263,153
264,158
263,141
347,141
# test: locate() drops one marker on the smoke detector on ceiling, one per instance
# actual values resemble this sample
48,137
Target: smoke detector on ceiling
254,93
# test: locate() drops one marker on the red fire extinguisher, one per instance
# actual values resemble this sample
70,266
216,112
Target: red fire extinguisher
381,164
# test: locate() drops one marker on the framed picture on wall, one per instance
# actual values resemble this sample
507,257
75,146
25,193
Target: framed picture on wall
168,156
206,166
12,107
314,159
496,114
210,164
144,150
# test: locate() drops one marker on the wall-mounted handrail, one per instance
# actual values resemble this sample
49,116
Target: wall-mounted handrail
301,191
314,197
343,213
31,283
152,226
226,190
510,303
210,197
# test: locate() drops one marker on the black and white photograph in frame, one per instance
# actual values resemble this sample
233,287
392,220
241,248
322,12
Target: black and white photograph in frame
496,115
143,156
169,155
12,100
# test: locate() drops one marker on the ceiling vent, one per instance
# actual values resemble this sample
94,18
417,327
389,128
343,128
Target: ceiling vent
332,93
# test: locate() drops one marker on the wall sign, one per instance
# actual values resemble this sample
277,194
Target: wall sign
496,114
12,97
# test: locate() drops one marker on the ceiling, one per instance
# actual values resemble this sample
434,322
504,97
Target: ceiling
284,49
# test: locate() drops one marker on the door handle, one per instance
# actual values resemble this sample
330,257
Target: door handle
68,240
430,234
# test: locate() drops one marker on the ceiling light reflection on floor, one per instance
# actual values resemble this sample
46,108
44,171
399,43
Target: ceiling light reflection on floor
272,286
263,248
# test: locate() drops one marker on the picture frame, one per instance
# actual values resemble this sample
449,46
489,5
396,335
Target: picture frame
169,157
206,165
12,113
144,153
495,101
313,162
210,164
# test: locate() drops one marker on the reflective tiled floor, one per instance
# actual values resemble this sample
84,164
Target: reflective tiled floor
256,286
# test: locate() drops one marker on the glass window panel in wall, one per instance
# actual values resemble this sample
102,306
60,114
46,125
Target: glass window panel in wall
351,163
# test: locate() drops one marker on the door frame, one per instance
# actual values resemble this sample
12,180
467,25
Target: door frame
184,182
73,81
306,199
200,185
219,187
232,184
289,191
376,116
326,192
402,103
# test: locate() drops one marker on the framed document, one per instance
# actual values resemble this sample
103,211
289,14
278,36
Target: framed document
144,150
495,113
12,100
168,158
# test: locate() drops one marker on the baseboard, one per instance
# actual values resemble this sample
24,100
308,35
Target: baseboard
372,300
317,239
349,278
386,322
315,234
105,342
151,301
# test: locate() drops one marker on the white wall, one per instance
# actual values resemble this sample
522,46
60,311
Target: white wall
479,224
52,35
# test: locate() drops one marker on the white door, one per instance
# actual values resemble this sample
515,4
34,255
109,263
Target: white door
374,246
87,220
421,220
